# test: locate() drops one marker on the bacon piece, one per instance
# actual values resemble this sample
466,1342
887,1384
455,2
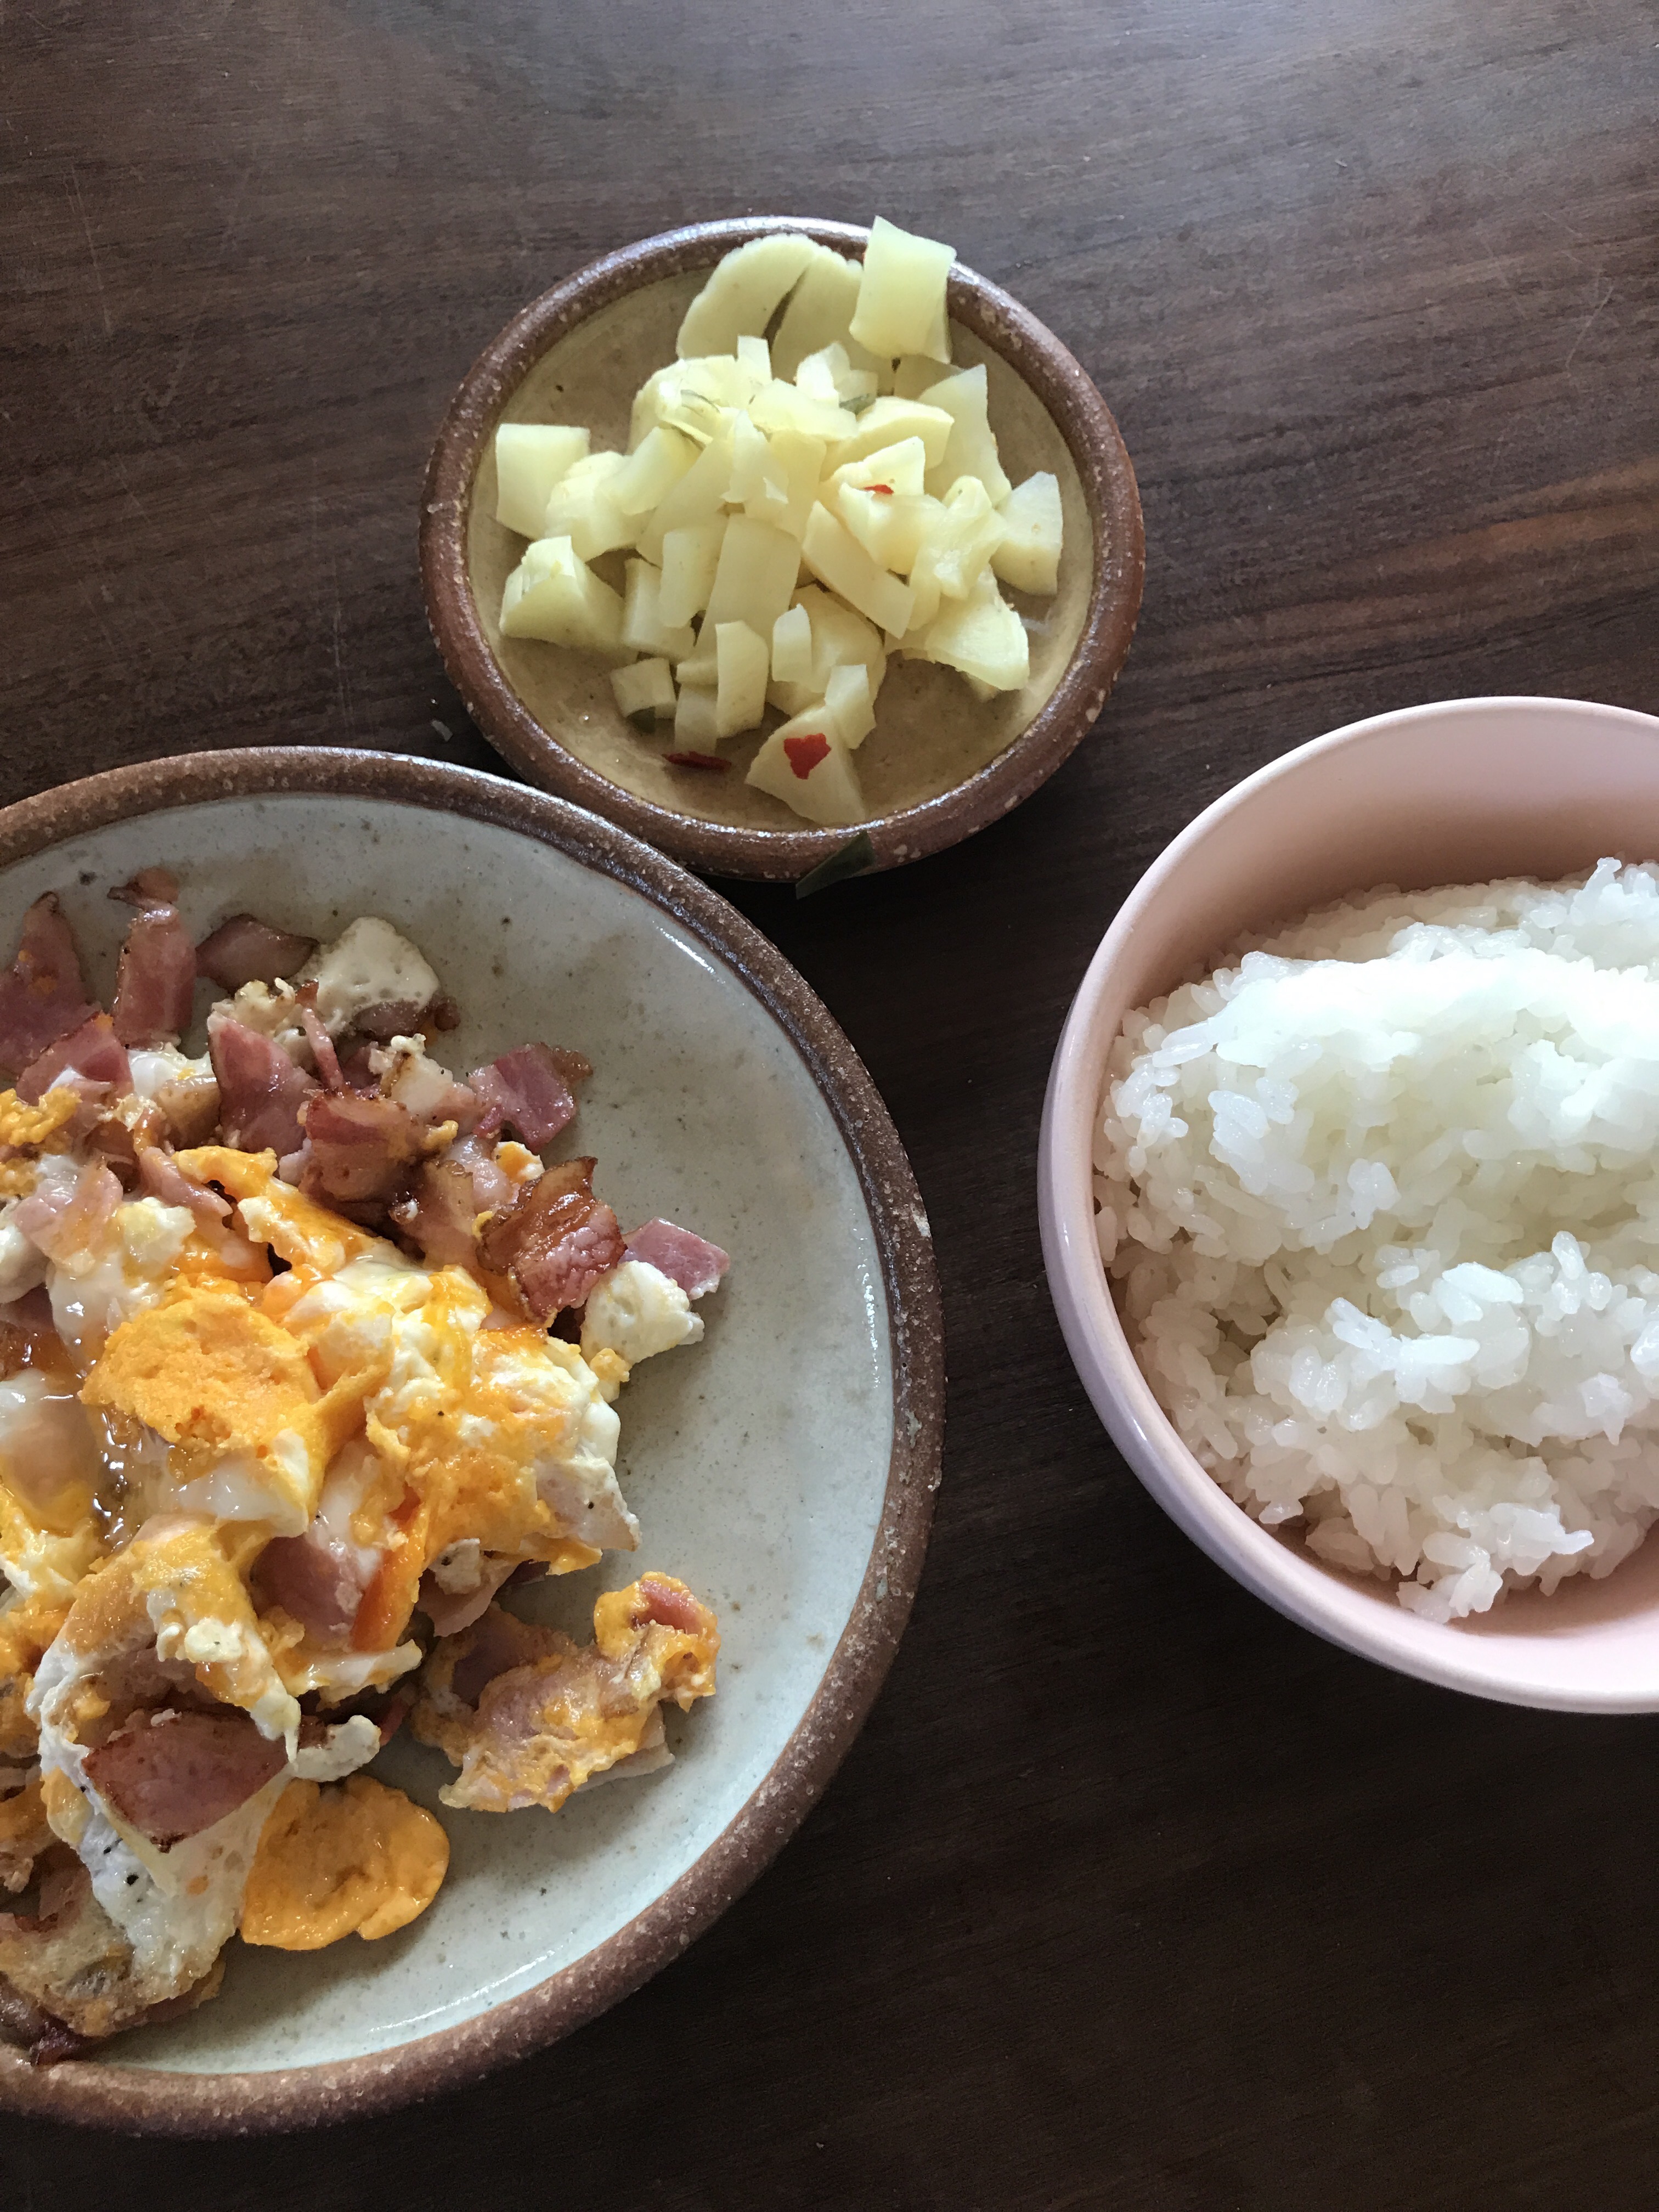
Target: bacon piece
555,1240
42,996
499,1641
360,1151
68,1943
68,1976
191,1106
261,1091
55,2043
322,1045
63,1227
356,1067
33,1311
492,1186
322,1577
448,1195
169,1775
530,1089
450,1611
388,1019
112,1141
236,1253
245,950
156,981
319,1580
25,2023
162,1180
149,887
438,1215
528,1716
49,2040
403,1071
394,1713
93,1051
691,1261
670,1604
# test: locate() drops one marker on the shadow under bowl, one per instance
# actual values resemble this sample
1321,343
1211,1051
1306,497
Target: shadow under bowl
939,763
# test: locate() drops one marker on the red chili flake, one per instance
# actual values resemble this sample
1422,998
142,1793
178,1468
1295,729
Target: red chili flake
805,752
886,489
697,760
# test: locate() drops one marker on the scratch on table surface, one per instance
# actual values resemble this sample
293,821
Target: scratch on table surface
98,274
225,238
126,486
1583,331
343,690
1561,223
94,608
1499,269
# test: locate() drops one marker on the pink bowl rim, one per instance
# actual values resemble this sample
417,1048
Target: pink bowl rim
1099,1348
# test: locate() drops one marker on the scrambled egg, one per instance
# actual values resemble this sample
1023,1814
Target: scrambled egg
635,1312
24,1833
194,1406
172,1604
354,1856
354,1372
235,1397
498,1434
33,1128
179,1588
50,1469
28,1626
556,1715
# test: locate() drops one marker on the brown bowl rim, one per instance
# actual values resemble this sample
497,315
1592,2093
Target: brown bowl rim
1060,381
97,2093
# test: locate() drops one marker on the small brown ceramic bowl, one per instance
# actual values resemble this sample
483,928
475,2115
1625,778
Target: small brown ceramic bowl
939,763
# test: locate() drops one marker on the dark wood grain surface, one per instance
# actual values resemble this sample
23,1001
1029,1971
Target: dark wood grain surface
1131,1894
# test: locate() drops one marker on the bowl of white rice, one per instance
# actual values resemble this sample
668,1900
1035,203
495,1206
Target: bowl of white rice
1349,1186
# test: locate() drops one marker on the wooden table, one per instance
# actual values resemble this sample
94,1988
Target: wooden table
1131,1895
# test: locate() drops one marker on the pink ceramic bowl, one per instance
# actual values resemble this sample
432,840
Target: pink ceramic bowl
1461,792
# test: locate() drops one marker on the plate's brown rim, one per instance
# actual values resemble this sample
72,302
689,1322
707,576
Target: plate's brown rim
1060,381
97,2093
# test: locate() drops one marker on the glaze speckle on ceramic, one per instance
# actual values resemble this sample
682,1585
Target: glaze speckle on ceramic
939,763
762,1467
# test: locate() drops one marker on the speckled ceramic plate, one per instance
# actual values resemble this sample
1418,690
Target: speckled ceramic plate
785,1467
939,763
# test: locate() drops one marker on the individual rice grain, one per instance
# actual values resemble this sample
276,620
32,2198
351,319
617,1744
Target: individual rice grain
1380,1202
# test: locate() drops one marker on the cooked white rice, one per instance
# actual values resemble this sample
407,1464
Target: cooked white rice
1382,1199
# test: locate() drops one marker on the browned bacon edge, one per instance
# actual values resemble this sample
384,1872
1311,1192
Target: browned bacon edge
42,994
93,1050
691,1261
555,1240
171,1774
261,1090
156,981
245,950
530,1090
